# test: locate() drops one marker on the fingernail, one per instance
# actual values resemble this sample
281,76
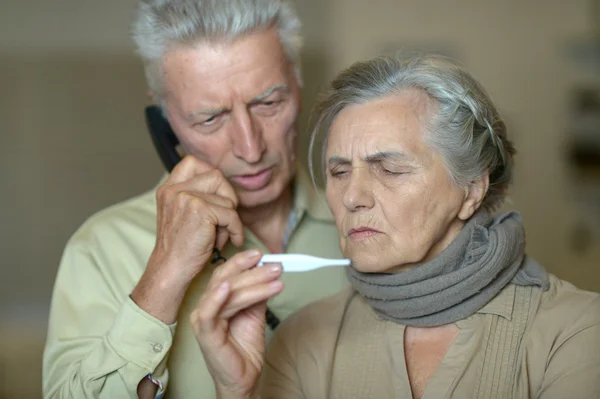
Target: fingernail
253,253
275,268
276,285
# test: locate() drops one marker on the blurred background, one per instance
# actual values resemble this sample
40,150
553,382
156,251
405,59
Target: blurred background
73,138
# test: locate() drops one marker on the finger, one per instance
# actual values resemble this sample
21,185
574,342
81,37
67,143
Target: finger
187,168
205,317
235,265
222,235
209,215
248,297
215,199
228,219
209,182
222,238
255,276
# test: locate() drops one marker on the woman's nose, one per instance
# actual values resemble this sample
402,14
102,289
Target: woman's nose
358,194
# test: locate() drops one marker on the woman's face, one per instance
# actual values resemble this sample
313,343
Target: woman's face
393,200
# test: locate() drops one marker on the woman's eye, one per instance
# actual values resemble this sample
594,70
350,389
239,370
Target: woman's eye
392,171
337,173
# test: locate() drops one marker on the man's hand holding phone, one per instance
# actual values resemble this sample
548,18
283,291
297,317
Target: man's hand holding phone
196,211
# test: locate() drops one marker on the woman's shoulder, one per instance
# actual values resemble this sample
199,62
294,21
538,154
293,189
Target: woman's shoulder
565,299
324,311
562,340
563,310
319,319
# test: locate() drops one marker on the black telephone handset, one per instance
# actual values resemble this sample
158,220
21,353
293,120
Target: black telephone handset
163,138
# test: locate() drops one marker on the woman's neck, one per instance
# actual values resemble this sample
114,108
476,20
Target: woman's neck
268,221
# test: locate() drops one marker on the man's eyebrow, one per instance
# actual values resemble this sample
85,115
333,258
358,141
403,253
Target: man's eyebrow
205,112
269,91
217,111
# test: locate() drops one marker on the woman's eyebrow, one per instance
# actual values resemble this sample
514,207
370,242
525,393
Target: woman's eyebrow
335,160
372,158
386,156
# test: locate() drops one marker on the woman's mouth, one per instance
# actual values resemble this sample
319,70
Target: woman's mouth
359,233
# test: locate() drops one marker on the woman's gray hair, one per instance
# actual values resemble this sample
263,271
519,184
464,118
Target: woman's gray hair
159,24
464,127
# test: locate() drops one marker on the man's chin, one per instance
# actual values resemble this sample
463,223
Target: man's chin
253,199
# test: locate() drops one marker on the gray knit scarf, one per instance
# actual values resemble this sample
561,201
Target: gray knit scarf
487,254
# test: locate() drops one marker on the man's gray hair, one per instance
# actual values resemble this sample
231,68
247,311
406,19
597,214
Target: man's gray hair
464,127
159,24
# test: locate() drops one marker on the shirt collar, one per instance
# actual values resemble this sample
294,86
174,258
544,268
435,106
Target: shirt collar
502,304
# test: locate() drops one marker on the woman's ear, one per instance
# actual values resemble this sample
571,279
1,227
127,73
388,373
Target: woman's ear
474,195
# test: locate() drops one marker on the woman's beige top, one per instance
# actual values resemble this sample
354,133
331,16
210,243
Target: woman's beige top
525,343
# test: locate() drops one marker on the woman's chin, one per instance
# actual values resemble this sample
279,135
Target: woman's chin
367,266
372,264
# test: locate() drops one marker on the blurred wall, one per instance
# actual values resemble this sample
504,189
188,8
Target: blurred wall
73,140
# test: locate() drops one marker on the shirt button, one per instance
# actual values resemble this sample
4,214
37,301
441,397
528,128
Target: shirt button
157,348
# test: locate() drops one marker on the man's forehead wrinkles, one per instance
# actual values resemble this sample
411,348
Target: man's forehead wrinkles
215,111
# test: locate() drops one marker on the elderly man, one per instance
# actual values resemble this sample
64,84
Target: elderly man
226,75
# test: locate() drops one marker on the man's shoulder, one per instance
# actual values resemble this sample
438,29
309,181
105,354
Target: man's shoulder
111,247
123,221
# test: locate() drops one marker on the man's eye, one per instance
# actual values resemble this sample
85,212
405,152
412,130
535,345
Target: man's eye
269,107
269,104
209,121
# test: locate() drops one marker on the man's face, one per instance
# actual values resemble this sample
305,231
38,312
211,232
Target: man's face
234,105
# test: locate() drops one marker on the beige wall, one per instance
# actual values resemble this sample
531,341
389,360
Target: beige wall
73,140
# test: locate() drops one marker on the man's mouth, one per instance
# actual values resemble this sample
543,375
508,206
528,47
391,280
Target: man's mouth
253,182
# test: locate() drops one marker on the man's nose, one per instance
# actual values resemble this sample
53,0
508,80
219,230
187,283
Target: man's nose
247,137
358,194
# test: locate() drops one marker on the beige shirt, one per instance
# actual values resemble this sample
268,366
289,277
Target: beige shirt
525,343
100,344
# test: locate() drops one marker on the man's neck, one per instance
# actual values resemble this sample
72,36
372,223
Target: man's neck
269,221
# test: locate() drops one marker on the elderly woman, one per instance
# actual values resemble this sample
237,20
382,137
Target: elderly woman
443,301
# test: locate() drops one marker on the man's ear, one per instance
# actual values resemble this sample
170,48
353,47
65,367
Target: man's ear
474,195
153,97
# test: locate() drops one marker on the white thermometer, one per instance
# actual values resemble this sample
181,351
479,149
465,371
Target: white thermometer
301,263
